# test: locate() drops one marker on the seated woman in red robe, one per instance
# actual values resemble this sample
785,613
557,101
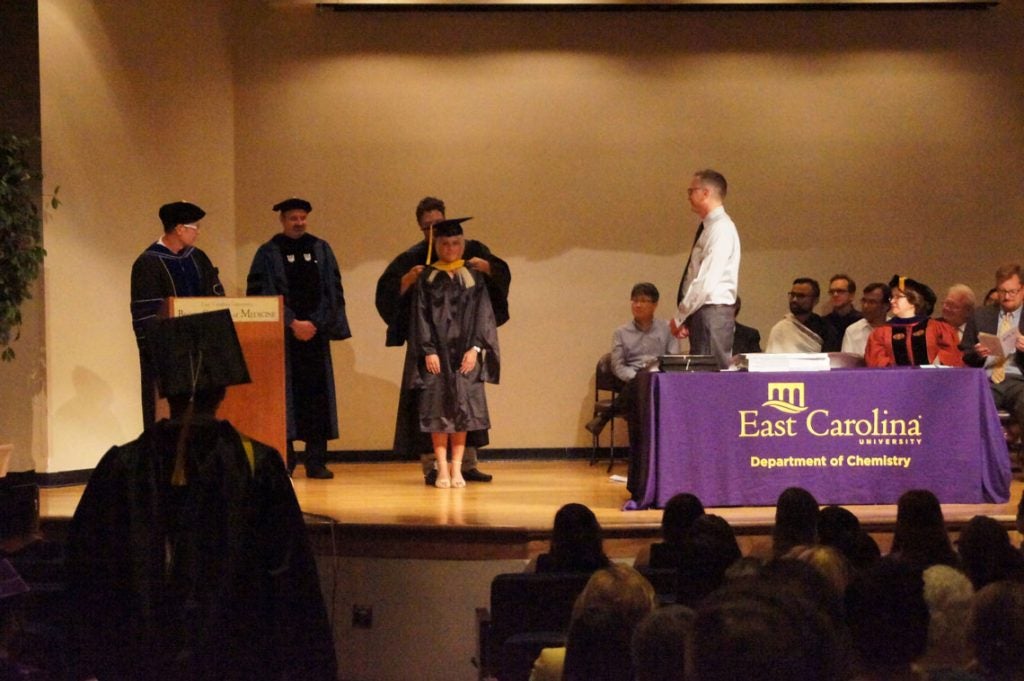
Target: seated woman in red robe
911,337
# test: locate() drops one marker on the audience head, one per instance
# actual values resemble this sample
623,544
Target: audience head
887,618
920,536
948,595
840,290
680,513
992,298
986,553
803,296
997,630
874,302
659,644
1009,287
840,528
707,553
757,631
958,305
604,616
576,538
796,520
828,561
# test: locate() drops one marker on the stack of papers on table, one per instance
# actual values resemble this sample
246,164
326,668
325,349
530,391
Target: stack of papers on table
786,361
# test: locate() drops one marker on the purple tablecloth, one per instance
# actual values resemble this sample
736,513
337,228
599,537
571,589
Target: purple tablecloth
855,436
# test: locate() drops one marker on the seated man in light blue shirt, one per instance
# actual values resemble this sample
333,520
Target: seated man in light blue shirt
636,345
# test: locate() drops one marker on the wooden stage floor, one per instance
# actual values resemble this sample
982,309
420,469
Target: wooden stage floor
384,510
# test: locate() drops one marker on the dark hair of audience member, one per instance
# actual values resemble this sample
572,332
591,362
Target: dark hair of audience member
707,554
920,536
604,616
986,553
888,619
840,528
659,644
997,631
754,630
676,523
796,520
576,543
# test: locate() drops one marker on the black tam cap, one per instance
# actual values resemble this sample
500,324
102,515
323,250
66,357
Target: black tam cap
923,290
293,203
180,213
451,227
197,352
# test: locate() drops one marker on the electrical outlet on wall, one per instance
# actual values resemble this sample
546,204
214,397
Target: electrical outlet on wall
362,616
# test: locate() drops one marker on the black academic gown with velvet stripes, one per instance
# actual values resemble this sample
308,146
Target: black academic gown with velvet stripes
213,580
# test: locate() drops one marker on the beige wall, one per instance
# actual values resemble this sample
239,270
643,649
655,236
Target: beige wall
870,142
136,112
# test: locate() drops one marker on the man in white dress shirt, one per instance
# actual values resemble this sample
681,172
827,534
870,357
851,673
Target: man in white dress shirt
874,305
707,290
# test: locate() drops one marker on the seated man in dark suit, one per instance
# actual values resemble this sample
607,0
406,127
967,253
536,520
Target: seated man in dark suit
187,556
1006,373
745,339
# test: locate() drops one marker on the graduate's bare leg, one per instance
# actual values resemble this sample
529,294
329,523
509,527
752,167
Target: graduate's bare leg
458,450
440,442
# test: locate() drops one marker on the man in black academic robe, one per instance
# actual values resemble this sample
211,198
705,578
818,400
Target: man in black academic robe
302,268
187,555
395,292
171,266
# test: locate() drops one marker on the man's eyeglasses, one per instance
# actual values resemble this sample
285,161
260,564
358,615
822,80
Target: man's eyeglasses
799,296
1008,292
836,291
195,227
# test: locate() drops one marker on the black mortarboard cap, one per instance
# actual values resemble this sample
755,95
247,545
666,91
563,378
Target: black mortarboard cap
451,227
293,203
180,213
197,352
925,291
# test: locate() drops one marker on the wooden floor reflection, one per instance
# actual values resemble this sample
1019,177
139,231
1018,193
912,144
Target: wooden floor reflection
384,509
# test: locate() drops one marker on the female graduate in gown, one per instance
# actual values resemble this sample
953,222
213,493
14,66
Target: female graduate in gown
911,337
455,339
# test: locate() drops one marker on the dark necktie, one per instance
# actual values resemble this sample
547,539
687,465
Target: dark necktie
682,280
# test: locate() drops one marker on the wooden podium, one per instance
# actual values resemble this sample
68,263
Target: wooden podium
258,409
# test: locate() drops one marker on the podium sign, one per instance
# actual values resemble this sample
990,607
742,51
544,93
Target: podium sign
257,409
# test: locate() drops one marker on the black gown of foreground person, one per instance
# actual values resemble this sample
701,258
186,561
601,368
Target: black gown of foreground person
211,580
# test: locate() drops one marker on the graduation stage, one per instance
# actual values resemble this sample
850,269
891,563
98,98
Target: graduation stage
383,510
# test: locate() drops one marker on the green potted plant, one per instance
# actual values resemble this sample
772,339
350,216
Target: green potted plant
21,234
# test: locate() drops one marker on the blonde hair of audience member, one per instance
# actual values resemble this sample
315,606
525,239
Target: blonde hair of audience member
618,588
618,592
949,595
830,562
